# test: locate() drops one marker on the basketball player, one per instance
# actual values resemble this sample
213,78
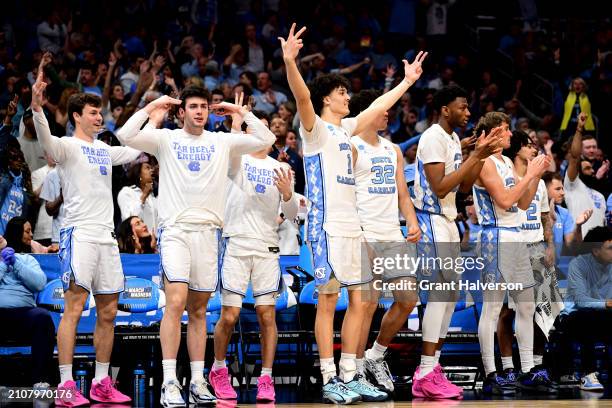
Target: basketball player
259,186
89,255
193,166
332,223
439,174
498,196
536,225
381,189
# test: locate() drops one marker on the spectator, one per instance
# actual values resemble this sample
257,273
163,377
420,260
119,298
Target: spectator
577,102
136,199
42,232
292,142
267,100
590,297
51,192
28,142
255,53
283,153
19,236
286,111
51,33
579,182
134,237
21,278
16,196
567,232
88,82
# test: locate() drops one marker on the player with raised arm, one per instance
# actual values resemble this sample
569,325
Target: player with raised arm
381,189
260,186
537,233
89,255
193,167
498,196
333,228
439,174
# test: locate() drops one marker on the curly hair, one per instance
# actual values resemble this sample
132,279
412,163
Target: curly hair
324,85
517,141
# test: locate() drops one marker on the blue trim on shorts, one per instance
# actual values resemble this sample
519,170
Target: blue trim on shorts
489,251
315,192
321,266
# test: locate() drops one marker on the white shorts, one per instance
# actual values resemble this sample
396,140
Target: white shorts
190,257
337,263
506,257
439,240
263,273
381,252
93,266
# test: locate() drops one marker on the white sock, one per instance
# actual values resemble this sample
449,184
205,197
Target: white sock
169,367
348,367
538,359
377,352
328,369
426,366
507,362
266,371
488,362
437,357
359,364
65,373
101,371
197,371
219,365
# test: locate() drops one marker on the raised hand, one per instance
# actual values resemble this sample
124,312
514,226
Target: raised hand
584,217
236,116
582,117
284,182
487,145
293,44
538,166
38,91
226,108
112,60
164,103
603,170
390,71
412,72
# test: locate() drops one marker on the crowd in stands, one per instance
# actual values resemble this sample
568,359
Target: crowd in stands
131,52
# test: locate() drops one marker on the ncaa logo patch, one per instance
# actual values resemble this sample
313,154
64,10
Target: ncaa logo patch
319,273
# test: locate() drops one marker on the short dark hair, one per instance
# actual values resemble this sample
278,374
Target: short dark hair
194,92
549,176
595,238
324,85
446,95
259,115
77,102
517,141
489,121
251,76
217,91
362,100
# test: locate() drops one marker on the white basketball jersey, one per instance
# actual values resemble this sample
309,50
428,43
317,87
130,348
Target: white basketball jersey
377,197
252,207
330,182
490,214
531,219
436,146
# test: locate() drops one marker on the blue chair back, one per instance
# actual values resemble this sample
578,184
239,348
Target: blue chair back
140,296
309,296
52,297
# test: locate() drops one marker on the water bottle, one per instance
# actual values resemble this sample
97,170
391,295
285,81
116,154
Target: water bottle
140,386
577,358
600,361
81,380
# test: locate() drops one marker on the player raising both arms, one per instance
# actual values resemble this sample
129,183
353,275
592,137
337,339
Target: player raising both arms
193,166
333,228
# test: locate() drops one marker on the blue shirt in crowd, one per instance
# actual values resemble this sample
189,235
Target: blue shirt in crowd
563,225
589,283
20,283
